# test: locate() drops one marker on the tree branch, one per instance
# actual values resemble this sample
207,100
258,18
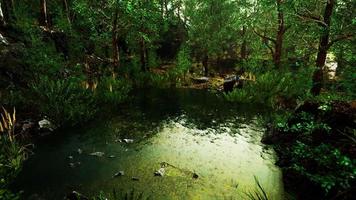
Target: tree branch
264,36
340,38
311,17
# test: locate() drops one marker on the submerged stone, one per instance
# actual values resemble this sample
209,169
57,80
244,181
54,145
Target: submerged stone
128,141
195,175
80,151
98,154
134,178
74,195
160,172
119,173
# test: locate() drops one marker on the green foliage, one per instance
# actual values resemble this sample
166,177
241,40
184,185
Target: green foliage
12,154
259,193
8,195
273,86
64,102
347,82
112,91
184,62
306,125
331,169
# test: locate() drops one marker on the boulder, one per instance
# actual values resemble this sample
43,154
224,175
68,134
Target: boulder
46,125
160,172
201,80
12,67
74,195
229,83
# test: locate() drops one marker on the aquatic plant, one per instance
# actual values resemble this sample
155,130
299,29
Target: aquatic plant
259,193
120,195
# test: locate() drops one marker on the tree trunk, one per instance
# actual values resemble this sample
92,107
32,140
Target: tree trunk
143,55
66,10
162,9
318,75
2,19
244,45
279,38
205,65
43,19
8,12
115,47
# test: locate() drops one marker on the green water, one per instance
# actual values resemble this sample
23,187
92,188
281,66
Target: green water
193,131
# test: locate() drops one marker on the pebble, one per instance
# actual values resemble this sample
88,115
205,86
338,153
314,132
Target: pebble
135,178
120,173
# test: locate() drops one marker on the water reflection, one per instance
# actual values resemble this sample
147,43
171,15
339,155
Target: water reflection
192,131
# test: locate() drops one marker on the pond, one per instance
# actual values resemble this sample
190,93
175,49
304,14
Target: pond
209,149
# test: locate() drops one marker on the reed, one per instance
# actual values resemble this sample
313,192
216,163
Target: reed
7,124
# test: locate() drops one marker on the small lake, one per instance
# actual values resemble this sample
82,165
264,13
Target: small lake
209,149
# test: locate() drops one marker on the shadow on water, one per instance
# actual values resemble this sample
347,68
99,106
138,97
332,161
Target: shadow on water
211,150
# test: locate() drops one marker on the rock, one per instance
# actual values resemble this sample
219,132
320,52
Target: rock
46,125
72,165
35,197
70,157
195,175
80,151
127,141
28,127
134,178
119,173
201,80
74,195
98,154
12,65
229,83
160,172
111,156
3,40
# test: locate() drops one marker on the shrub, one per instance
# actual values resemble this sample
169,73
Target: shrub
112,91
184,62
64,102
273,86
12,153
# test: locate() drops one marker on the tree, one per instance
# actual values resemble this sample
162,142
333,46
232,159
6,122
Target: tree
43,19
2,19
324,21
277,49
211,28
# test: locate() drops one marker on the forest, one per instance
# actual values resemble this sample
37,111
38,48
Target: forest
177,99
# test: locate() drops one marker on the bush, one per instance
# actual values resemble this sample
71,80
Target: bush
112,91
12,154
272,87
64,102
331,169
184,62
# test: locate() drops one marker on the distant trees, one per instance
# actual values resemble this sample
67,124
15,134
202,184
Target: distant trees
257,32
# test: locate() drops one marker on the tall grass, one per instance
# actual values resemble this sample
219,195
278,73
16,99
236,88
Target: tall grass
12,153
7,124
259,193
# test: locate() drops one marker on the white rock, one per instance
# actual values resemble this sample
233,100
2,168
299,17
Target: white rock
98,154
45,124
